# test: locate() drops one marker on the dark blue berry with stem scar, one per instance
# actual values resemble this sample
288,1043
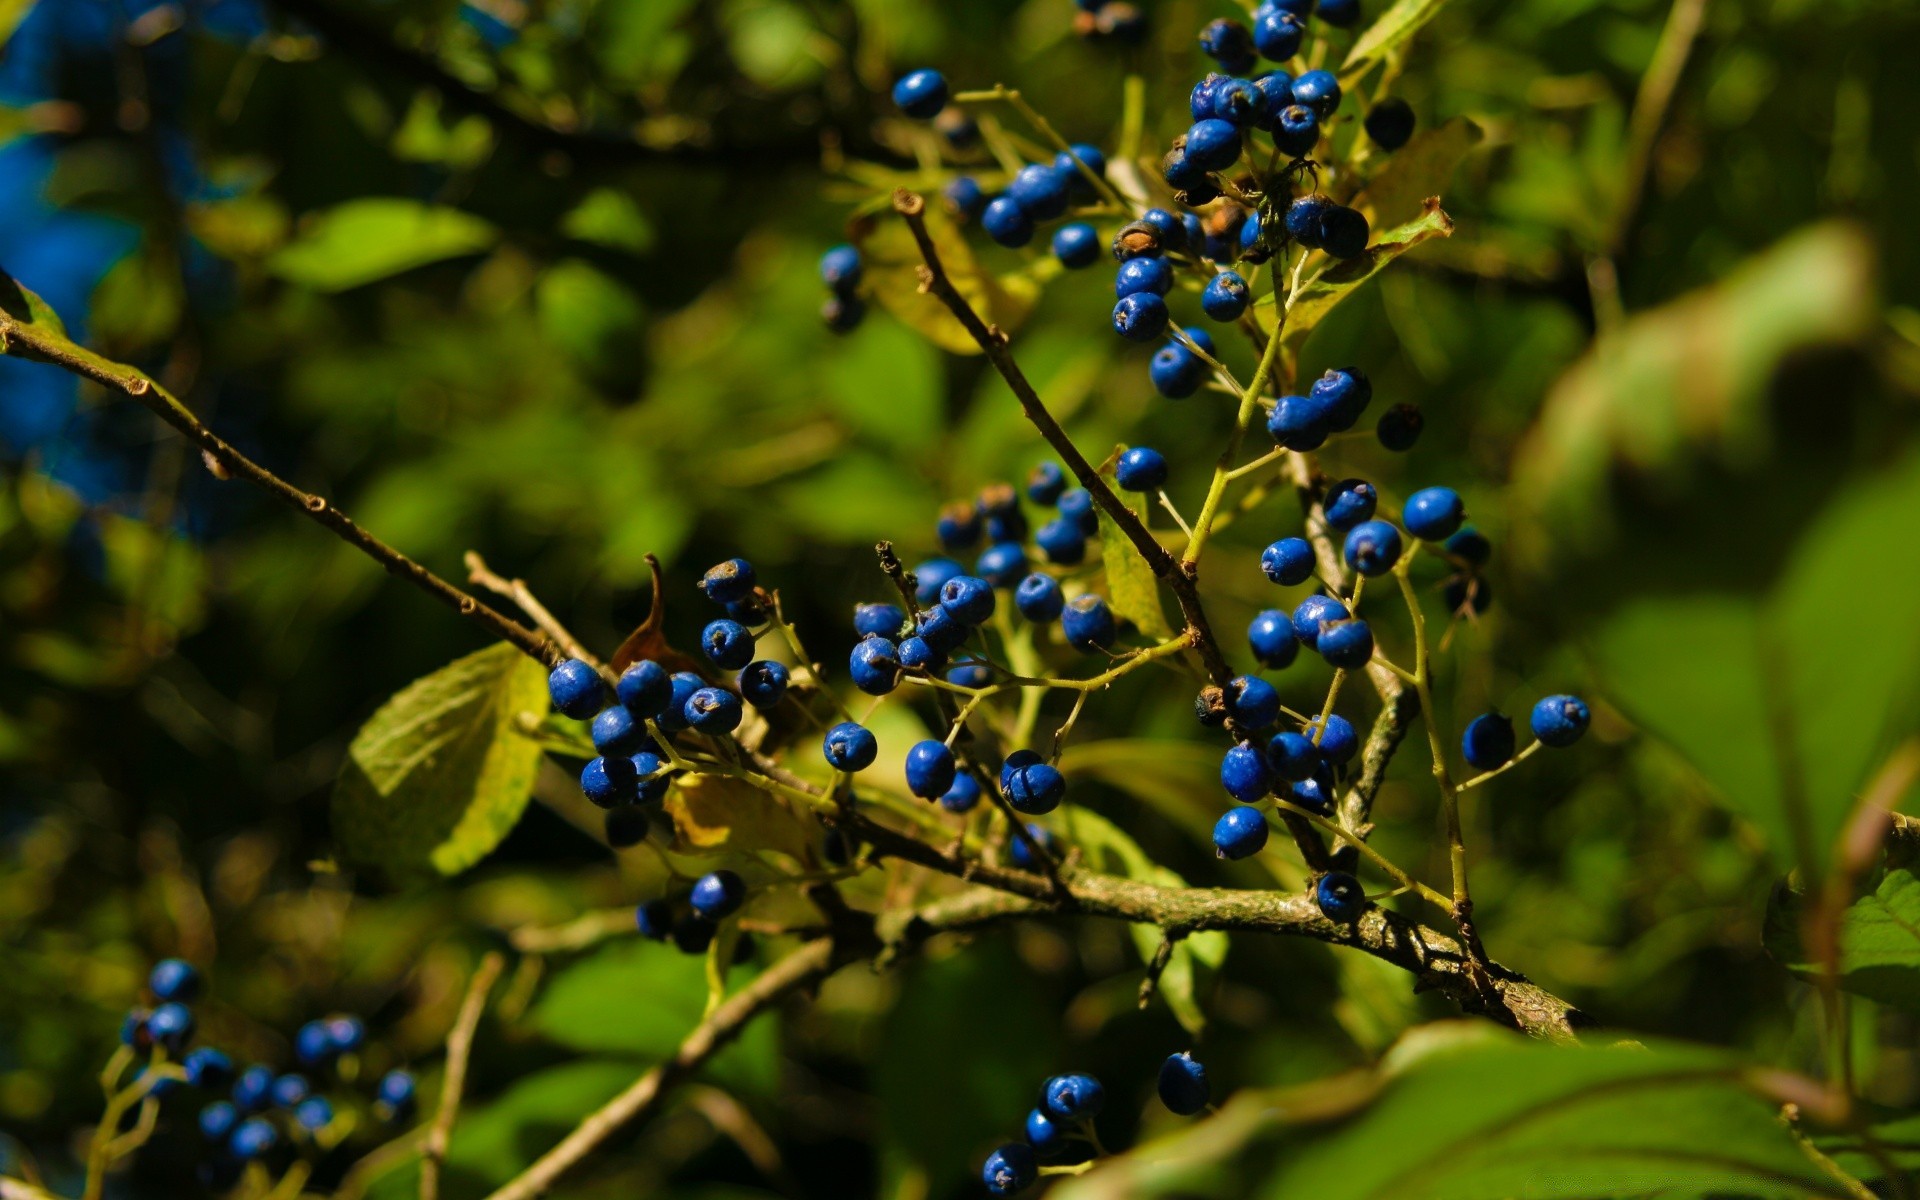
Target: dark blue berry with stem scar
313,1113
692,933
840,269
1339,13
967,196
727,643
1252,701
1020,853
1559,721
1238,101
1348,391
1390,123
1349,502
1077,503
1277,33
713,711
1044,1134
1344,232
1270,637
1035,789
1061,541
1176,371
932,575
654,919
255,1137
1187,177
1433,514
930,769
290,1089
962,795
1040,191
1313,612
1225,297
921,94
210,1069
174,979
396,1090
1303,217
1045,482
1183,1084
1009,1169
1172,229
217,1120
1143,275
576,689
674,717
1230,44
254,1089
939,629
1399,427
958,527
1138,239
1288,561
645,688
1347,644
1140,317
849,747
1488,741
1299,422
1340,741
171,1025
1240,832
1213,144
967,599
1002,565
1076,245
917,654
1073,1097
1470,546
610,781
617,731
1039,598
729,581
1244,773
1373,547
764,682
1088,623
1007,223
1318,90
1293,756
1339,896
311,1045
874,666
1141,469
717,894
1297,131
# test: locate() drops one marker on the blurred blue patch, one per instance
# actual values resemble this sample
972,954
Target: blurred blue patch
496,33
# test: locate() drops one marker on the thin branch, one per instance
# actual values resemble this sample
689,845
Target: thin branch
459,1050
516,590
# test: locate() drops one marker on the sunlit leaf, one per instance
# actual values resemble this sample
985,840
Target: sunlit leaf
1397,191
1133,590
1390,31
713,814
373,238
893,260
1879,940
1335,282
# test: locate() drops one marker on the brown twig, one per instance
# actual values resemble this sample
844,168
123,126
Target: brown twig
459,1050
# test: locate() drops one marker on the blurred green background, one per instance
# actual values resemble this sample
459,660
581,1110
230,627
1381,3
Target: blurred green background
537,278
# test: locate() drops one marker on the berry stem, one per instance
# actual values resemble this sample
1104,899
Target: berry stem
1012,97
433,1153
1503,768
1374,856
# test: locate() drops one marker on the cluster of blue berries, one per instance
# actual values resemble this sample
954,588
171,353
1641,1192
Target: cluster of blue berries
1333,404
1058,1127
263,1110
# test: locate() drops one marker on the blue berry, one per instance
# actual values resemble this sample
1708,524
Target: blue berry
627,826
1143,275
1303,219
575,688
217,1120
1314,793
1002,565
1140,316
1373,547
1045,482
1176,372
1200,99
940,629
1228,43
311,1045
1034,788
133,1029
1488,741
713,711
968,600
1183,1084
1187,178
727,643
1240,832
1252,701
1007,223
1201,338
764,682
1244,773
396,1090
1339,13
1318,90
1062,541
1558,721
1339,896
171,1025
930,769
1076,245
962,795
1073,1097
1344,232
1088,623
1090,155
1270,637
1311,613
1347,390
1250,248
1225,297
1470,546
1009,1169
932,575
1039,598
1141,469
1293,756
645,688
840,269
1021,854
1299,422
717,894
921,93
1340,741
692,934
1347,644
253,1089
843,314
208,1068
313,1113
617,731
874,666
970,673
1044,1134
1040,191
1288,561
1433,514
1296,131
610,781
1399,427
1276,93
1172,231
654,919
1213,144
955,125
966,196
174,979
958,528
1349,502
254,1138
1239,102
1013,762
918,654
290,1089
729,581
1078,504
1277,33
849,747
1390,123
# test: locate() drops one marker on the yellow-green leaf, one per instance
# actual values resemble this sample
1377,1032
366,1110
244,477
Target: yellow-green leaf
1330,286
1398,191
892,265
1132,588
440,773
373,238
713,814
1391,31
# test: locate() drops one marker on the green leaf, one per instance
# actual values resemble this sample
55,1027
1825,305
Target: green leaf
611,218
1175,777
893,261
888,385
1397,192
1390,31
1879,940
1132,588
29,328
373,238
1336,282
439,775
